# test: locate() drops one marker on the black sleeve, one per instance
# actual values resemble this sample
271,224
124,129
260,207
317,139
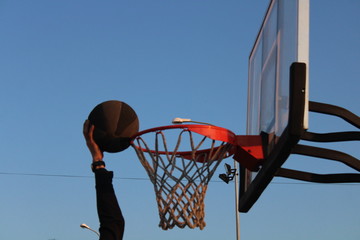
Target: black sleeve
112,223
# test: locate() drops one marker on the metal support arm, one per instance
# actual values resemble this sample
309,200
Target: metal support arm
331,137
324,153
327,154
318,178
329,109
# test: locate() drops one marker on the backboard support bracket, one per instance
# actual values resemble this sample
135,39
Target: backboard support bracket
249,151
324,153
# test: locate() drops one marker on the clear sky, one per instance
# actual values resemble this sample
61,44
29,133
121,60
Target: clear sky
179,58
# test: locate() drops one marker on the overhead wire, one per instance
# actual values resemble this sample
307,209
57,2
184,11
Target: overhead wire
146,179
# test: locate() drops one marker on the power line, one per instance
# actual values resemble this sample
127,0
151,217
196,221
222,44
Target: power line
146,179
42,175
63,175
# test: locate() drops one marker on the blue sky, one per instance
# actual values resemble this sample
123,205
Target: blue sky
167,59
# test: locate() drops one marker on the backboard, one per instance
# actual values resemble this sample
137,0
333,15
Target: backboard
277,91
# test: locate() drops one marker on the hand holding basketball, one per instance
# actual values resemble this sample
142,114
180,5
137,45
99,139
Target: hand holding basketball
88,131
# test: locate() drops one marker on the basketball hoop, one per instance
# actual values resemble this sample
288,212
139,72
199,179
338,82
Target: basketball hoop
180,177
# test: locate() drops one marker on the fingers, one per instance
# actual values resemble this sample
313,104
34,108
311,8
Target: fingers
88,130
91,131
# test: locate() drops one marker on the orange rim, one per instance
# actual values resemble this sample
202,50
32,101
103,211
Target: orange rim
212,132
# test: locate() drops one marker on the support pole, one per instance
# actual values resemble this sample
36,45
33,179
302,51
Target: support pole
237,213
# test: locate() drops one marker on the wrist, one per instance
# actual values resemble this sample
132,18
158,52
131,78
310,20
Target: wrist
97,159
97,165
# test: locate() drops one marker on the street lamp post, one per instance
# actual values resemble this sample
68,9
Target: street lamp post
87,227
236,166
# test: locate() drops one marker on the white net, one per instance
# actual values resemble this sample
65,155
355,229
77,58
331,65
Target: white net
180,179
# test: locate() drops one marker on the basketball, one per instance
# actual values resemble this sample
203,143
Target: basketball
115,122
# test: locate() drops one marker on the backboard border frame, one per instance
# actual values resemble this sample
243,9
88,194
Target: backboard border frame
290,137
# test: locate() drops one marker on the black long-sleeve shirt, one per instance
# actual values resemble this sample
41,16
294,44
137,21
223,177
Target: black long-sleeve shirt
112,222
